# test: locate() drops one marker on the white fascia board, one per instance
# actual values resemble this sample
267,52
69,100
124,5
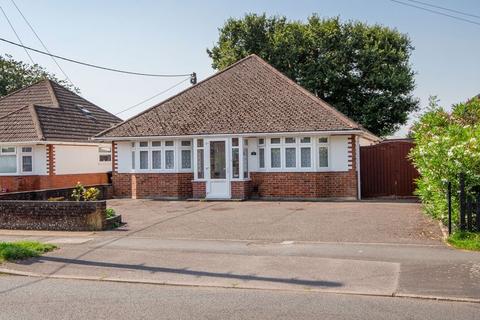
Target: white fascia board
42,142
253,134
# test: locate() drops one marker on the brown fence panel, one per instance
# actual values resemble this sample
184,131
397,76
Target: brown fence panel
386,171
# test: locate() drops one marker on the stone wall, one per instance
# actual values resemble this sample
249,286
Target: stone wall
53,215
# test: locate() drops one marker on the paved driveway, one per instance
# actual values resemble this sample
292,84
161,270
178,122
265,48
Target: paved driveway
369,222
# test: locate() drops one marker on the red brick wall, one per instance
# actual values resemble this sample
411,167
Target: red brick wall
199,190
240,189
28,183
152,185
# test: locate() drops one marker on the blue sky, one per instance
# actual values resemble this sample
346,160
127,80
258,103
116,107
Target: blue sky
172,37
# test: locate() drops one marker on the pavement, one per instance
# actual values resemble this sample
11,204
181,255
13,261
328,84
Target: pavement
33,298
412,263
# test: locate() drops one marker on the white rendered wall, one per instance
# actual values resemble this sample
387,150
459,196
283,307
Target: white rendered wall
124,157
339,153
40,160
79,159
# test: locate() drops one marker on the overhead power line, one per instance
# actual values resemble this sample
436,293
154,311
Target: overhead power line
16,34
43,44
436,12
97,66
153,97
444,8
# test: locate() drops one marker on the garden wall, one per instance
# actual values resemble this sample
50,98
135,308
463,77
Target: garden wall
105,193
53,215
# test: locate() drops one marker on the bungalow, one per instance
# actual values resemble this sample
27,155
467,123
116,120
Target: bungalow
44,139
245,131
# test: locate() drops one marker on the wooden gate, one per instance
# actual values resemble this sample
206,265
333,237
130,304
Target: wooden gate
386,171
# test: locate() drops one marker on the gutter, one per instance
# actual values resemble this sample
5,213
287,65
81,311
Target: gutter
257,134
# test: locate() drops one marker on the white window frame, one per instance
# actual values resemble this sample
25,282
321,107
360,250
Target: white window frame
180,154
195,159
27,154
317,151
103,153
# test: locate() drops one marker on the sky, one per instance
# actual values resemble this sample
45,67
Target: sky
171,37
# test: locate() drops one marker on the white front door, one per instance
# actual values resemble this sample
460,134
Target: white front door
217,169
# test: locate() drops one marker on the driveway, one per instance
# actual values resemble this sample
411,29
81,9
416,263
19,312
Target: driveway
363,222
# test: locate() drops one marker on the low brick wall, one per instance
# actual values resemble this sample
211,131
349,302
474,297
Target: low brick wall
153,185
199,190
29,183
240,189
105,193
53,215
304,185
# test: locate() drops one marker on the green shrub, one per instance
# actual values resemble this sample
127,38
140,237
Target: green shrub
465,240
78,192
110,213
23,249
445,146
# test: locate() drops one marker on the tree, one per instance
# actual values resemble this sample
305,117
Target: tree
363,70
15,75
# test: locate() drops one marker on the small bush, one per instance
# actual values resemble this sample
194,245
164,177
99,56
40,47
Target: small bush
110,213
91,194
10,251
78,192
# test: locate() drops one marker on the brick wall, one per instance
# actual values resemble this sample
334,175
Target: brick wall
153,185
35,182
66,193
199,189
51,215
240,189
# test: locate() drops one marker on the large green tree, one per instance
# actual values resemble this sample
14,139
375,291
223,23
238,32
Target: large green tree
15,75
363,70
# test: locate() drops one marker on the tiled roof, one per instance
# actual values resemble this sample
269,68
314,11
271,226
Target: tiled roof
248,97
48,111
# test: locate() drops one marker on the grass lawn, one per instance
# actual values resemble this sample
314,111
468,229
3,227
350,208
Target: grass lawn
465,240
10,251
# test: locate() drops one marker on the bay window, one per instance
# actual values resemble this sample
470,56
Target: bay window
162,155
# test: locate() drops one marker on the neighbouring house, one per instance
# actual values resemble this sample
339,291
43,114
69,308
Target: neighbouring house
44,139
247,131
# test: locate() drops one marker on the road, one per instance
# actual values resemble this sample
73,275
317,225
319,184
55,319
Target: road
34,298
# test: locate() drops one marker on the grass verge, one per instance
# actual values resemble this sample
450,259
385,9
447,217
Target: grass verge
10,251
465,240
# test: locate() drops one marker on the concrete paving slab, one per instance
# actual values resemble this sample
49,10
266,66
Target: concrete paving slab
69,240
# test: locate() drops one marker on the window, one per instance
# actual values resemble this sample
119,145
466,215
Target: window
245,158
235,163
156,159
27,159
305,140
143,160
169,144
261,158
169,159
235,158
275,140
306,157
261,142
186,143
275,158
8,160
133,159
186,159
143,144
289,140
323,152
290,157
104,154
200,160
156,144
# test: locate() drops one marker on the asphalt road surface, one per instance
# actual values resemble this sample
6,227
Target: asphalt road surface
36,298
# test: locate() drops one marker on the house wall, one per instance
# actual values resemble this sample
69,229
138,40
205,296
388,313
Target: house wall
79,159
57,166
338,180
